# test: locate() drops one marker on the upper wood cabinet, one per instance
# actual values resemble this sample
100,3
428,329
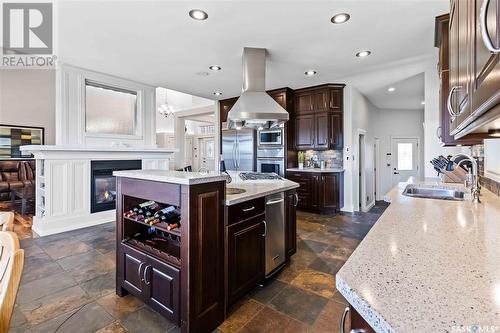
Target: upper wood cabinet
225,106
318,117
474,79
445,120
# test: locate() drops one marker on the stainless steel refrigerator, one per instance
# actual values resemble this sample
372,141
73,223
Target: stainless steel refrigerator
238,149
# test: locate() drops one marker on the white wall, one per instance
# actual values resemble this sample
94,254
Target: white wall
358,118
391,123
27,98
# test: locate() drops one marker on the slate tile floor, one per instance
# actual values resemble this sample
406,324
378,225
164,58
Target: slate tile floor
68,283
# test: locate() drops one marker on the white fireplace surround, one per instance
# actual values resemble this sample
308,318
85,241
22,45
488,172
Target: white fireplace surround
63,182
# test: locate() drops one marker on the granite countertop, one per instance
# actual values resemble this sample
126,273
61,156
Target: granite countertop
256,188
428,265
176,177
316,170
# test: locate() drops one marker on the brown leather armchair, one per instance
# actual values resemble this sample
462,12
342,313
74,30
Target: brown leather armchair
15,174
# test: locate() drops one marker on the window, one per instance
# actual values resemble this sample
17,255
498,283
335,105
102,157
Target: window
405,156
110,110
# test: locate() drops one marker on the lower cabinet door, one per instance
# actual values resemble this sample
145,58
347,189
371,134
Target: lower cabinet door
329,191
246,256
163,288
133,264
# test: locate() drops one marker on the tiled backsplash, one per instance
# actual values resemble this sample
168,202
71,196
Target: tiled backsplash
333,158
489,184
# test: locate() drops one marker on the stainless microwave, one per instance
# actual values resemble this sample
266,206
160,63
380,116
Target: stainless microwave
270,137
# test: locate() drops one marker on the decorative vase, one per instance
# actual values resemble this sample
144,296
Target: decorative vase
301,165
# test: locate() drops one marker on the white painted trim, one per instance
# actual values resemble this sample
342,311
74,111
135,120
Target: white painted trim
378,195
370,205
356,171
70,109
45,226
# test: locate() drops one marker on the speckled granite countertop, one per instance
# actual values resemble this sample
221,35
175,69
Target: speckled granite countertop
176,177
428,266
256,188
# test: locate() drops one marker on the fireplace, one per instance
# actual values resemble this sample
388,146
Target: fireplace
103,184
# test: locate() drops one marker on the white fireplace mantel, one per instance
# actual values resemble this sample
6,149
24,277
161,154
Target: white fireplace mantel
63,182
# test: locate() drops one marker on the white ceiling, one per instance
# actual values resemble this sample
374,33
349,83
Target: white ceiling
157,43
409,94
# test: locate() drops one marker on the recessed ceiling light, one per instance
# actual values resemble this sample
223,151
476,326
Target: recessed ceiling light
340,18
391,89
217,93
311,73
215,68
423,102
363,54
198,14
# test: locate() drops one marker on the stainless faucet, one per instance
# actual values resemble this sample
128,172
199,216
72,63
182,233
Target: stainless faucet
475,178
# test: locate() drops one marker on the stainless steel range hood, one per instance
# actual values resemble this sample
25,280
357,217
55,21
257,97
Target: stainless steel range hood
255,108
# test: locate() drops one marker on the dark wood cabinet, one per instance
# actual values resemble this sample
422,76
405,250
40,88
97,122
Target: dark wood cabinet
291,202
133,263
485,78
445,119
322,131
470,43
304,103
304,131
246,256
225,106
319,191
163,288
318,118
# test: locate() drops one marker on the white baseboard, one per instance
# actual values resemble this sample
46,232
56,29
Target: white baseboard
348,209
370,206
53,225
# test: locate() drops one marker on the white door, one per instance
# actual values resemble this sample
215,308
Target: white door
404,159
207,153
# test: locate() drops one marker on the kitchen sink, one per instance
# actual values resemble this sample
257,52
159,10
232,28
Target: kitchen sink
234,190
434,192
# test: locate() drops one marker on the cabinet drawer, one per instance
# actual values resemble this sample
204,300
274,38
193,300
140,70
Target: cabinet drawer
245,210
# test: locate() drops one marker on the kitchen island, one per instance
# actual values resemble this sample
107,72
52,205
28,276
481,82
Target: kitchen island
427,265
188,250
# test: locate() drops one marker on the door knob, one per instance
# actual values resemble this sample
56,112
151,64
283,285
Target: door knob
396,173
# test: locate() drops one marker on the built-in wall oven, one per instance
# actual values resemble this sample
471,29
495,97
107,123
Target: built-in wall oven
271,160
271,137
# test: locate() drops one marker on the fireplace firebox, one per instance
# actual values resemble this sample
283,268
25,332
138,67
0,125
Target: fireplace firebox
103,184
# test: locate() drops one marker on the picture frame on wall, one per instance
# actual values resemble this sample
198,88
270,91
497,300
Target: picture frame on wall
12,137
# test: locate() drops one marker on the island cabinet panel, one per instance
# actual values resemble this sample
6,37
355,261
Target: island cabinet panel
291,202
246,256
177,272
203,248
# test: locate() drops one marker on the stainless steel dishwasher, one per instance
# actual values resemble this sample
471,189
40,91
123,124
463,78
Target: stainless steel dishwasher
275,231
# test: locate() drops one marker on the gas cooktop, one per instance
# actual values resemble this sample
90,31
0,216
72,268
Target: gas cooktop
258,176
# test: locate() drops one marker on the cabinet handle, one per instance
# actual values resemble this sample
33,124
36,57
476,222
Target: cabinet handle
272,202
484,28
296,196
145,274
452,112
248,209
342,320
139,270
265,229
